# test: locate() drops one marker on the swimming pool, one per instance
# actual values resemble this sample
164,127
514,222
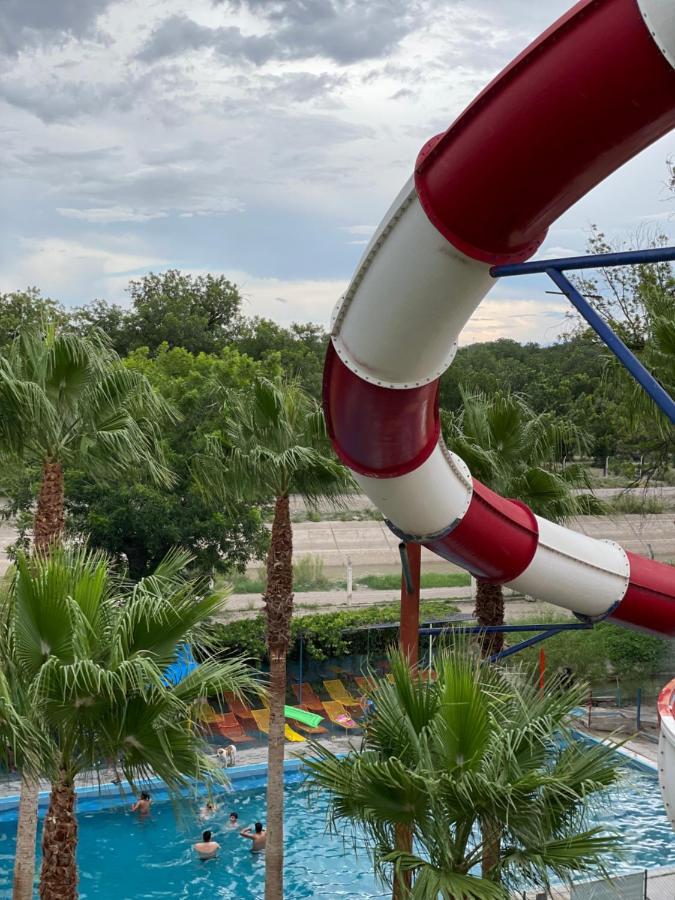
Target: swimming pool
122,857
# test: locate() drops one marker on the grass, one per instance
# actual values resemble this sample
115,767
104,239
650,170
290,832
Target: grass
308,575
638,504
428,580
368,514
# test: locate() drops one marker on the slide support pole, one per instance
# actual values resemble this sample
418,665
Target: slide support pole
411,561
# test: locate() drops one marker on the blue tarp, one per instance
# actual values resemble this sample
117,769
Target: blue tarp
182,667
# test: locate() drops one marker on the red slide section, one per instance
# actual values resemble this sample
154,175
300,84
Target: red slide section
580,101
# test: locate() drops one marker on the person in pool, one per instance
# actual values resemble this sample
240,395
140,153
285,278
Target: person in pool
206,848
142,805
258,836
233,820
209,809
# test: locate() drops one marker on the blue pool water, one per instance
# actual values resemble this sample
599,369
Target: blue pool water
122,857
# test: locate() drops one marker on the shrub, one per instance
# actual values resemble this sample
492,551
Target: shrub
324,635
595,654
308,575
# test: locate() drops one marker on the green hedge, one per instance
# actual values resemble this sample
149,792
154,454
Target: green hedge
323,634
595,655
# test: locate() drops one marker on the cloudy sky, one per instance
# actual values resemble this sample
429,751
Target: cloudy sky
259,138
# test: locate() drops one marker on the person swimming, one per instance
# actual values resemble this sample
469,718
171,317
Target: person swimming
233,820
209,809
206,848
258,836
142,805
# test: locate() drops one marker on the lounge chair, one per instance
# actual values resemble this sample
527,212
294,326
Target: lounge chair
428,675
339,715
311,729
229,726
365,684
337,691
205,713
307,697
262,720
239,707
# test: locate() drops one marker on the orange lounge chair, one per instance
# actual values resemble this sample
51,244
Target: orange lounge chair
229,726
262,720
339,715
241,709
337,691
307,697
365,683
310,729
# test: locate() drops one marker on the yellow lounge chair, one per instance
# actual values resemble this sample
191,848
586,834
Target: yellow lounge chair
337,691
205,713
262,720
339,715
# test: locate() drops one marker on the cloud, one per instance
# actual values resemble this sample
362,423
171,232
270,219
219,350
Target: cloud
109,215
519,319
179,34
64,100
344,31
70,268
26,23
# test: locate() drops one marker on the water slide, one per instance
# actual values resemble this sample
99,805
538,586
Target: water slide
591,92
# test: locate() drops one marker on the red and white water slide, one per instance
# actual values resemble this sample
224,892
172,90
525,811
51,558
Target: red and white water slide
585,97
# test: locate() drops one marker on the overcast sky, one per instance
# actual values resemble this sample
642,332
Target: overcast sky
259,138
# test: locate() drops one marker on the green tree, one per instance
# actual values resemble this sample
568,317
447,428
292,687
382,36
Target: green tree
443,758
26,309
113,320
519,454
67,399
276,445
90,655
301,349
639,304
141,520
200,313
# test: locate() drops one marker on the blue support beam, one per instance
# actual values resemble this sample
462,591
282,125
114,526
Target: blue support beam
592,261
544,632
554,268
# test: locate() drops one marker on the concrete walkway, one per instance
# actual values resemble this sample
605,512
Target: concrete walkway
245,606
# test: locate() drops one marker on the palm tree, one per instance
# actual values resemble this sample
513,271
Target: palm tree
277,447
89,653
69,399
517,453
440,758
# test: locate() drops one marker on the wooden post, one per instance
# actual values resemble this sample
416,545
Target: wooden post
542,668
410,605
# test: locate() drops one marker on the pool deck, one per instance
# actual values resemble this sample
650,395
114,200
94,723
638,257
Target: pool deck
253,756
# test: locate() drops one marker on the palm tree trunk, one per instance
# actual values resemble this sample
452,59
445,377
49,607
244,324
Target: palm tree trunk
491,849
404,841
58,877
47,530
279,609
489,610
24,861
48,522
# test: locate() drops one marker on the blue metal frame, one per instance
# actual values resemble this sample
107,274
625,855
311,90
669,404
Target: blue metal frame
545,631
554,268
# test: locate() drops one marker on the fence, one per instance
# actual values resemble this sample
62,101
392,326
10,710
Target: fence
657,884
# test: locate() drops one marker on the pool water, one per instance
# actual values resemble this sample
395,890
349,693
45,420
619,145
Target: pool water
124,857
